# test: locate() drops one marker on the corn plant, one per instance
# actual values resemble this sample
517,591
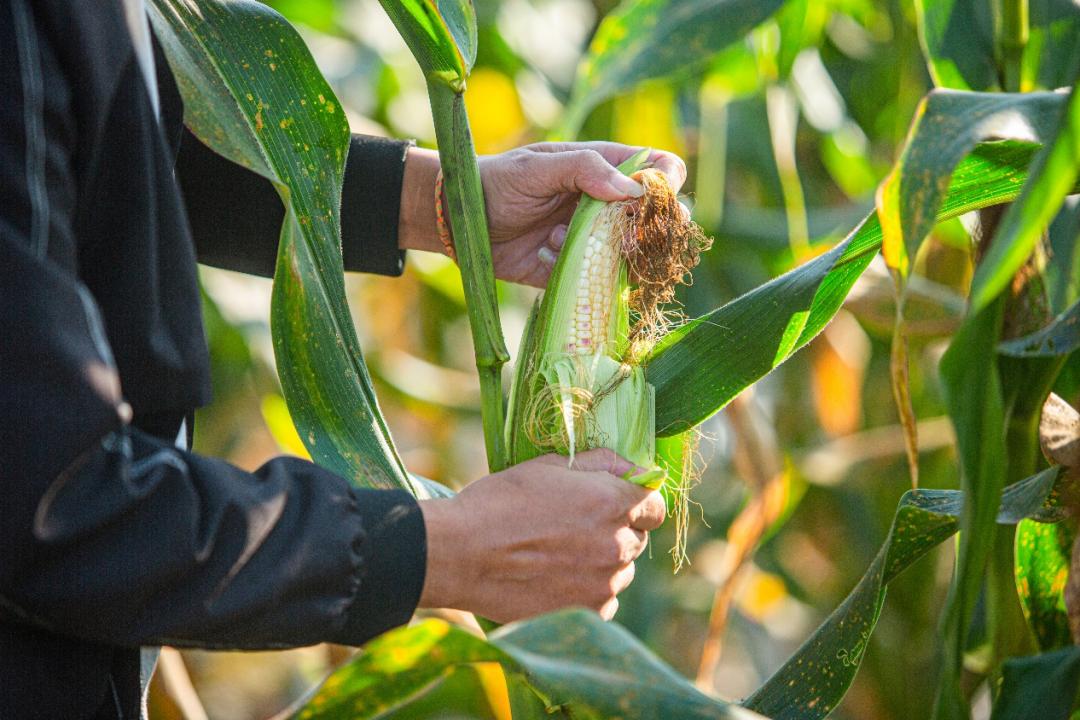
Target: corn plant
587,376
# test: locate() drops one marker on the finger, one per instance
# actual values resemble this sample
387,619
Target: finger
607,612
580,171
613,152
622,579
546,256
649,513
666,162
631,543
671,165
603,460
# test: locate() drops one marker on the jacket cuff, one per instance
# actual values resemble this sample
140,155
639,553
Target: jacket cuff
393,563
370,204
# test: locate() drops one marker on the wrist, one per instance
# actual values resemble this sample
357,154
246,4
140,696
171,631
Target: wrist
417,228
446,576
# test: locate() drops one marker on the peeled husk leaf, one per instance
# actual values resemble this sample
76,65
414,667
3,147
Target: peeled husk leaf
1059,432
1059,437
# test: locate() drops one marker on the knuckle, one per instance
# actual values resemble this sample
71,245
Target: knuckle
600,595
604,456
520,160
593,502
593,164
620,553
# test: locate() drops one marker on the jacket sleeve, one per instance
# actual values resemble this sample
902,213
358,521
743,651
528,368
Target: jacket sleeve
236,215
111,535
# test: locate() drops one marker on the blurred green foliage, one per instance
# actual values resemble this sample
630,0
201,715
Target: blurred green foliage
787,134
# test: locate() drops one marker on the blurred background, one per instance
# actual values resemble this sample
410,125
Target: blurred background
786,135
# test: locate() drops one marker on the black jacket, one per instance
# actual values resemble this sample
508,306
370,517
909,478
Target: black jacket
110,537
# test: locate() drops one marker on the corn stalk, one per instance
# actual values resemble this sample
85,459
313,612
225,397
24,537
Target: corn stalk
442,38
465,197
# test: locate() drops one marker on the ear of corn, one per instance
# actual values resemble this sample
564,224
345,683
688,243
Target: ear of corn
578,384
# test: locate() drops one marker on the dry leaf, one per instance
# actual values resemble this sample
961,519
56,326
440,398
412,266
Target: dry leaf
1059,432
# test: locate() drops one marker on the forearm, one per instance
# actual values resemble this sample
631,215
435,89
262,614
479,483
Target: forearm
416,221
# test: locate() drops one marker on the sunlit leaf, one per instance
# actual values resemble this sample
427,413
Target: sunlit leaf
701,366
1052,52
1042,567
577,663
958,40
253,93
1041,685
275,413
1052,176
643,39
813,681
947,125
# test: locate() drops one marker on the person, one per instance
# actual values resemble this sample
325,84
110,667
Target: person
114,536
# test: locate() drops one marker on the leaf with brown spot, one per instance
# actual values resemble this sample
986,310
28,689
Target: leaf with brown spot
947,125
822,669
208,44
699,367
578,664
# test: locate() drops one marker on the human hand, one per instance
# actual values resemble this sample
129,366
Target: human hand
538,537
531,193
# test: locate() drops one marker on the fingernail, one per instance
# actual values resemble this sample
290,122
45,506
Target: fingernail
685,209
546,255
558,238
627,186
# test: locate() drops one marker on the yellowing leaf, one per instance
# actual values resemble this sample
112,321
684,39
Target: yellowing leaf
276,416
495,114
646,117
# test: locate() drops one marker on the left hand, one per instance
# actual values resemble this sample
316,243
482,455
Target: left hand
531,193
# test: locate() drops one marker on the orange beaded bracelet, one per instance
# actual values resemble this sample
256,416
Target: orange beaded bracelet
441,223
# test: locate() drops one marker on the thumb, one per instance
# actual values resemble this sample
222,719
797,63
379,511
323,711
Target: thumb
603,460
582,171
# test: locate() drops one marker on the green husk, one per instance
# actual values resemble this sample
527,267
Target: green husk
566,399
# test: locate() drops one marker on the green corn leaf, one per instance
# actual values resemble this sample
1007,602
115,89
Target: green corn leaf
1060,337
590,669
701,366
1043,686
1042,568
643,39
253,93
1052,176
571,659
1052,52
958,41
973,395
947,125
957,37
813,681
441,34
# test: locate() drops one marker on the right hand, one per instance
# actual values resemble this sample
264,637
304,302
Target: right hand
539,536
